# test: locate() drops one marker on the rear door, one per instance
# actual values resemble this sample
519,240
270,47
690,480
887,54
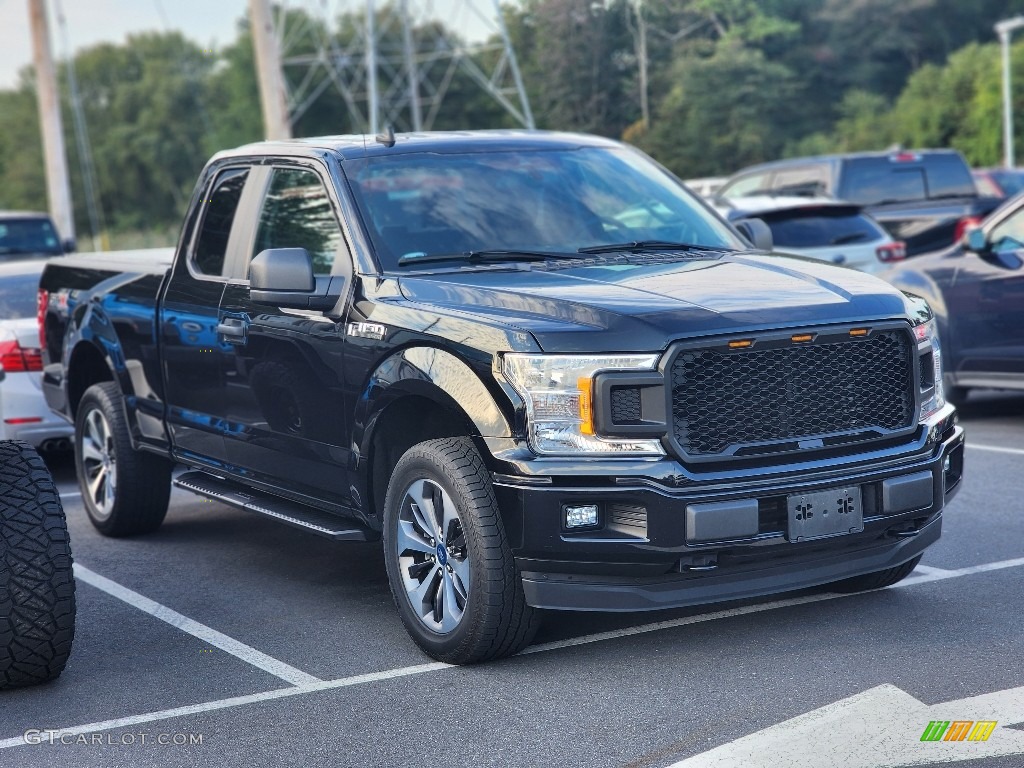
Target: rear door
283,377
191,349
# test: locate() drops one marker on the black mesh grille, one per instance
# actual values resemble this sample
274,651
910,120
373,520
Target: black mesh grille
625,405
733,398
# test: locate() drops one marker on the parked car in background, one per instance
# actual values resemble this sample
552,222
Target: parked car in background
999,182
925,198
820,228
24,414
976,290
706,187
29,235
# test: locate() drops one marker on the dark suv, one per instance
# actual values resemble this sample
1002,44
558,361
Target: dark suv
925,198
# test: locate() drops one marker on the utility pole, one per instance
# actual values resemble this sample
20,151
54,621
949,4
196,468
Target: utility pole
409,49
58,190
1005,29
273,95
641,55
373,96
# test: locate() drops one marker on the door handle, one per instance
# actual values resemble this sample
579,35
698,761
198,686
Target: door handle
232,328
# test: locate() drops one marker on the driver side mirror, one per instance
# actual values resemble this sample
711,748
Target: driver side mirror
975,242
757,233
283,277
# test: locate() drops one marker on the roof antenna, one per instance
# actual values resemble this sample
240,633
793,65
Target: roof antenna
387,136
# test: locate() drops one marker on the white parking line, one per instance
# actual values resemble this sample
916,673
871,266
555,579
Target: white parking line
240,650
237,701
927,570
996,448
322,685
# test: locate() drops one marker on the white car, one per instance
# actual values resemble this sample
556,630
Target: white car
707,186
24,414
819,228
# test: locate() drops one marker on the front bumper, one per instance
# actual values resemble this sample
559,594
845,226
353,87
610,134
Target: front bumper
629,566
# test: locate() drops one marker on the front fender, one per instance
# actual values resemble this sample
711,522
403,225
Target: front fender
436,375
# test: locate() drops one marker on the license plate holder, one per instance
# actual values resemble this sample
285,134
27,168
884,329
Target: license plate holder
819,514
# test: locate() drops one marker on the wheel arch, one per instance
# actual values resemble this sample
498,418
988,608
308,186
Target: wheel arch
418,394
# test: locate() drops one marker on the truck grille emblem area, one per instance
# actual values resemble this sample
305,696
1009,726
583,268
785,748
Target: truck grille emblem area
730,403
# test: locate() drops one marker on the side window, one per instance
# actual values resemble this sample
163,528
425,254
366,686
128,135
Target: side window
221,204
746,185
297,213
806,181
1008,236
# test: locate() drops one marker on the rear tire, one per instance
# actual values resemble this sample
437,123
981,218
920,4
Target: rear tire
37,587
876,580
449,564
125,492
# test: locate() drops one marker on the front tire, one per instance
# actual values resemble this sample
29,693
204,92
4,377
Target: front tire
37,586
876,580
451,570
125,492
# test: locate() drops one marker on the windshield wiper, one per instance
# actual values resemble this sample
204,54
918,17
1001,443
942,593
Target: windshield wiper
494,254
649,245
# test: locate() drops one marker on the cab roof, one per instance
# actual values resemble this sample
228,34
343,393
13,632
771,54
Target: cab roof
440,142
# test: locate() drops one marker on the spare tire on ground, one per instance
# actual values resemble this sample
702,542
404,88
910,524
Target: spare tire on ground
37,587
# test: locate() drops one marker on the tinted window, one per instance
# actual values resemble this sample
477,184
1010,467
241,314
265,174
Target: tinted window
1009,236
873,180
821,228
297,213
24,236
807,181
543,200
18,296
948,176
221,203
746,185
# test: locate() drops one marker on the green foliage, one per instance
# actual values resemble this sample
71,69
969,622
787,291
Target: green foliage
724,111
731,82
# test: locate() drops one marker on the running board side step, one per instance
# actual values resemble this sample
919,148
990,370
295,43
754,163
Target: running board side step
298,515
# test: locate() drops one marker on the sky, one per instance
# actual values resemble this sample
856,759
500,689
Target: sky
210,22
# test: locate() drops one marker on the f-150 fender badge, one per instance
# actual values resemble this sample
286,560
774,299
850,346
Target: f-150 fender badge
367,330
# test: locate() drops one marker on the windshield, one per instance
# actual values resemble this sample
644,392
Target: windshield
535,200
30,235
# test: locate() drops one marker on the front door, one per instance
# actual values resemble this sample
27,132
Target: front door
987,307
283,377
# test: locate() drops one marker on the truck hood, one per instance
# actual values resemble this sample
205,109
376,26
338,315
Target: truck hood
644,306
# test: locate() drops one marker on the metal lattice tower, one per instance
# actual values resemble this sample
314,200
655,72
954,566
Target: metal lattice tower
394,64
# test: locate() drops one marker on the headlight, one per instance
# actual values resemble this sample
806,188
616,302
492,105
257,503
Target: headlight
928,332
559,395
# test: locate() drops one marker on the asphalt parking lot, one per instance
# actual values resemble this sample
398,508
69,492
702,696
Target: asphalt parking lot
228,640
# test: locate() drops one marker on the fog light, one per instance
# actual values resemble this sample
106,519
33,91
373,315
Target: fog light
580,515
945,465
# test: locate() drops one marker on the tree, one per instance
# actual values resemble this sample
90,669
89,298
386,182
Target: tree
724,112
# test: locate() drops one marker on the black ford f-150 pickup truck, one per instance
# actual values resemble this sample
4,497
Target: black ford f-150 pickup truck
534,365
